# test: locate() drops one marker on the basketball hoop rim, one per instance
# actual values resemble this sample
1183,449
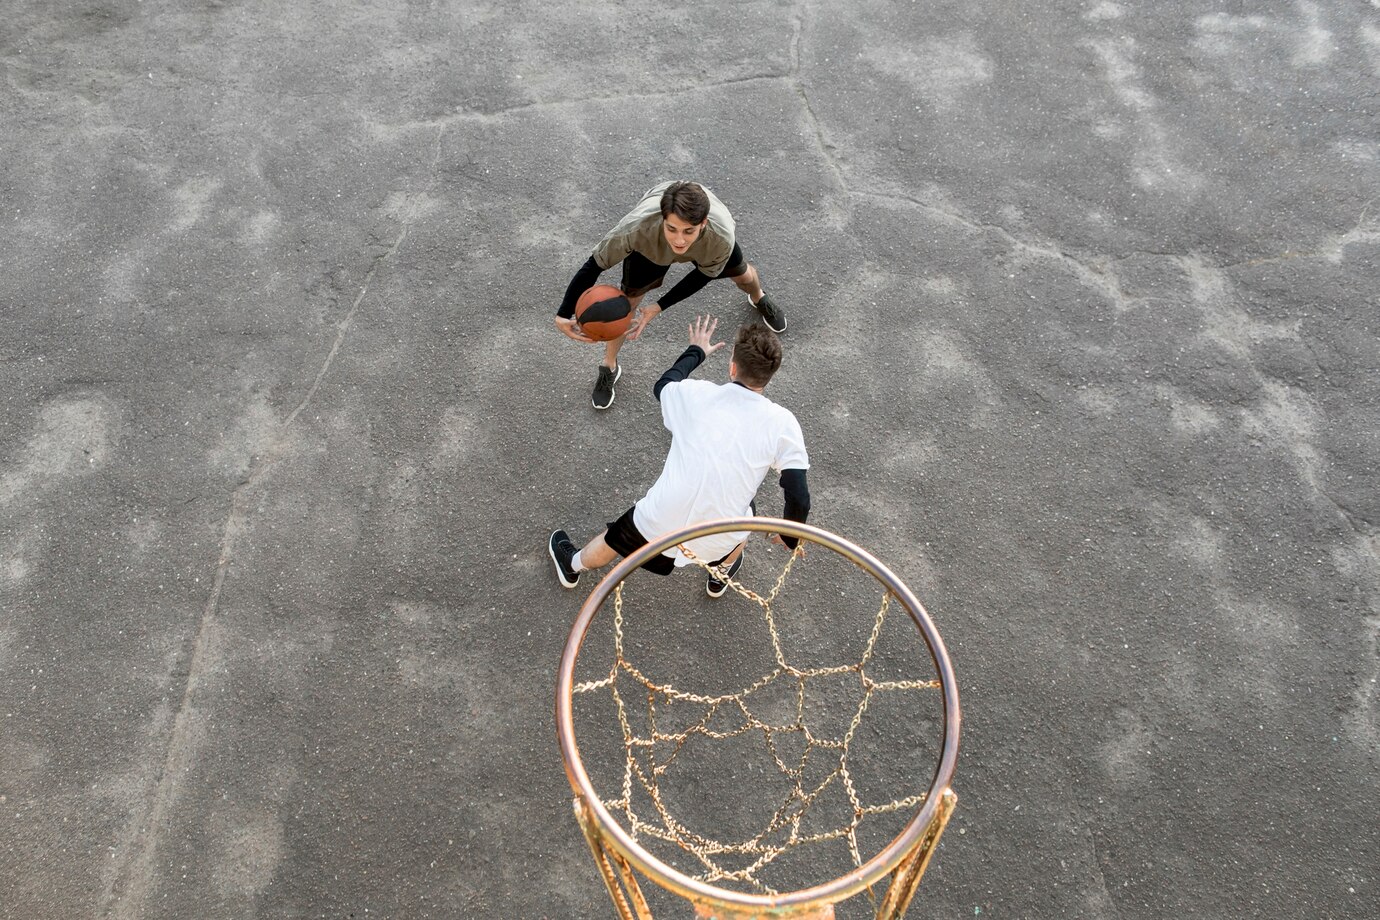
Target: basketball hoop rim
841,888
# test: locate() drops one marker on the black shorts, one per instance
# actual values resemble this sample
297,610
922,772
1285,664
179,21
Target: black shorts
624,538
641,274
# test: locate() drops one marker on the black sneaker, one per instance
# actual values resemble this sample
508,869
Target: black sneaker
562,552
772,315
716,587
603,387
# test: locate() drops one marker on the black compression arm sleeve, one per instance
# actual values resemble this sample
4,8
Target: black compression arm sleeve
686,286
584,280
685,364
797,500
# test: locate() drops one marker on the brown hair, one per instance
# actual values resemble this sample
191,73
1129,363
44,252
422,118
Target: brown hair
686,200
757,354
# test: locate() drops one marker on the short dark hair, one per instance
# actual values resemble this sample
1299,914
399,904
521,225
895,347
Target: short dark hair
757,354
687,201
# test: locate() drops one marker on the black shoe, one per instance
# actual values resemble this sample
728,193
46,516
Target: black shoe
772,315
603,387
562,552
715,587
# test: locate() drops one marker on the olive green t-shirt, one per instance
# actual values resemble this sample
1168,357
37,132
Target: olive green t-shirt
640,232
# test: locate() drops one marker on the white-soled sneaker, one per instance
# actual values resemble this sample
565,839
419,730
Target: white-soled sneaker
562,552
772,315
603,387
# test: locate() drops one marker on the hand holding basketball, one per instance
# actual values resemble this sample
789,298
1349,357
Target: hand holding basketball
641,318
702,333
570,328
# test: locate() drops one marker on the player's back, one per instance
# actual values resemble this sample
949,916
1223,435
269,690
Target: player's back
725,438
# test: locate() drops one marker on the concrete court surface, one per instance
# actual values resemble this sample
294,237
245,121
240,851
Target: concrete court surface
1083,315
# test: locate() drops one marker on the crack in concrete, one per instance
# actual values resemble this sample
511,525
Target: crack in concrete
1354,235
1357,521
1100,872
1334,253
546,104
1105,283
838,213
131,884
436,157
342,329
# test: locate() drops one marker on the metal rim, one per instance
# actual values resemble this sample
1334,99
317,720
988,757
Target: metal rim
841,888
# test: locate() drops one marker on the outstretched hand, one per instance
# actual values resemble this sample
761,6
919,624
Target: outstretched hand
702,332
571,329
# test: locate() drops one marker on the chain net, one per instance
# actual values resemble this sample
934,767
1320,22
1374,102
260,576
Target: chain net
651,748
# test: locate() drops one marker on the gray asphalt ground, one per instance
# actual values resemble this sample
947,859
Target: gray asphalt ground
1083,317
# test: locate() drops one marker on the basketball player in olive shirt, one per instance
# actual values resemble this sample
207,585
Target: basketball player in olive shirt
674,222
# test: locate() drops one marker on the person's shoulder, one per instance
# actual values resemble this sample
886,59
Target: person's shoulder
656,190
721,222
693,385
646,212
688,389
780,413
783,429
713,198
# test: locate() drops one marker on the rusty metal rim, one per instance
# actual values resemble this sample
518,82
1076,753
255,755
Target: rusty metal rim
841,888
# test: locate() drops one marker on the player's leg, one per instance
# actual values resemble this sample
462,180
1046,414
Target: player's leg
594,555
611,349
749,283
620,538
570,562
741,273
640,275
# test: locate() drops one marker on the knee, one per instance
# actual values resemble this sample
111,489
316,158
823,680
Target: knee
747,279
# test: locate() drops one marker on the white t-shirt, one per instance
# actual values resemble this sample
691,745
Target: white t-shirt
724,439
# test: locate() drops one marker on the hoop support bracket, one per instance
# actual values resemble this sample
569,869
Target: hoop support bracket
905,878
618,875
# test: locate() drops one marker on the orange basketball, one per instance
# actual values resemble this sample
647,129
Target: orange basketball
603,312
